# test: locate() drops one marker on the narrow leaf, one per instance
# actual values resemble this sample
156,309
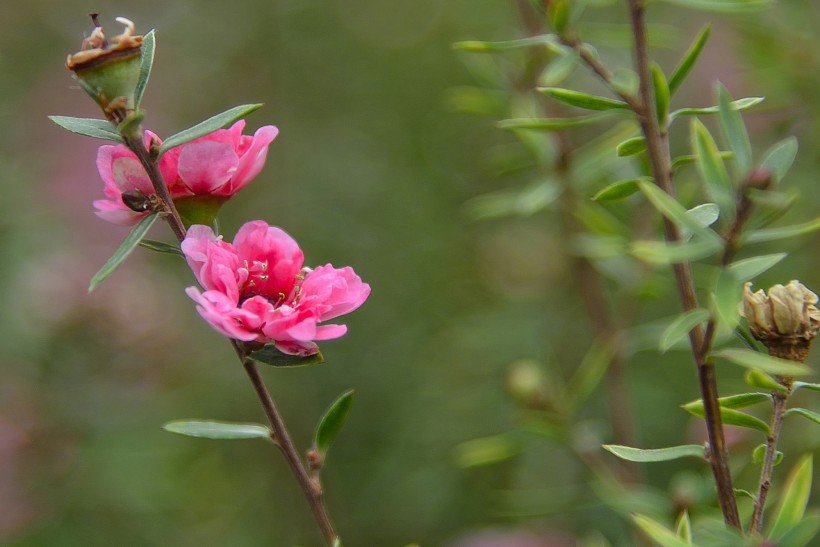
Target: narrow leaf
739,104
209,429
588,376
726,297
735,132
208,126
808,414
146,63
686,159
161,247
476,46
780,157
486,450
742,400
689,59
681,326
658,532
760,361
269,355
794,499
617,190
657,252
128,245
677,213
656,454
749,268
332,422
802,533
806,385
756,378
773,234
90,127
662,94
724,6
711,168
582,100
704,214
741,419
683,528
631,147
551,124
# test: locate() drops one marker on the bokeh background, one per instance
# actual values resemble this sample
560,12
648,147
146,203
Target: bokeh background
372,168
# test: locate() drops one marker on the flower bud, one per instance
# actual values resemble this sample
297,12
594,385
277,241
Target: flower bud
109,70
785,320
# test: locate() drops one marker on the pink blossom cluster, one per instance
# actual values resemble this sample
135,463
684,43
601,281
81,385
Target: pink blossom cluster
218,164
256,289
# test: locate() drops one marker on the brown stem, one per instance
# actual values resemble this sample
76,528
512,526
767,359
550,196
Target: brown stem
779,403
280,436
658,152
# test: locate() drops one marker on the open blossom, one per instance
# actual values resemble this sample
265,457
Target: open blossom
218,164
257,289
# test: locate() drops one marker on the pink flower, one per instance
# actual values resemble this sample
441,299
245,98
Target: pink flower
257,290
218,164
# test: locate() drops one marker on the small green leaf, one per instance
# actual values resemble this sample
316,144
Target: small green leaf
658,532
209,429
741,400
332,422
726,297
551,124
558,70
808,414
681,326
662,95
711,168
739,104
686,159
161,247
683,528
773,234
208,126
759,456
760,361
269,355
749,268
741,419
780,157
689,59
631,147
806,385
558,13
617,190
90,127
477,46
794,499
656,454
486,450
582,100
128,245
677,213
658,252
704,214
589,374
724,6
735,132
757,378
146,63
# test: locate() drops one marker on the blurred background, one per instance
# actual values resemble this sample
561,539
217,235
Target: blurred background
374,164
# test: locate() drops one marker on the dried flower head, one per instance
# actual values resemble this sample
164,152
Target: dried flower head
108,70
785,320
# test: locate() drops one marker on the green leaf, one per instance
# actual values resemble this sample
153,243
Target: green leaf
558,13
756,378
477,46
146,63
741,400
209,429
759,456
589,374
332,422
521,203
802,533
658,252
780,157
683,528
161,247
760,361
659,533
656,454
704,214
686,159
808,414
677,213
794,499
724,6
735,132
689,59
726,297
551,124
617,190
749,268
90,127
741,419
711,168
631,147
128,245
559,70
269,355
806,385
662,94
486,450
208,126
583,100
681,326
739,104
773,234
